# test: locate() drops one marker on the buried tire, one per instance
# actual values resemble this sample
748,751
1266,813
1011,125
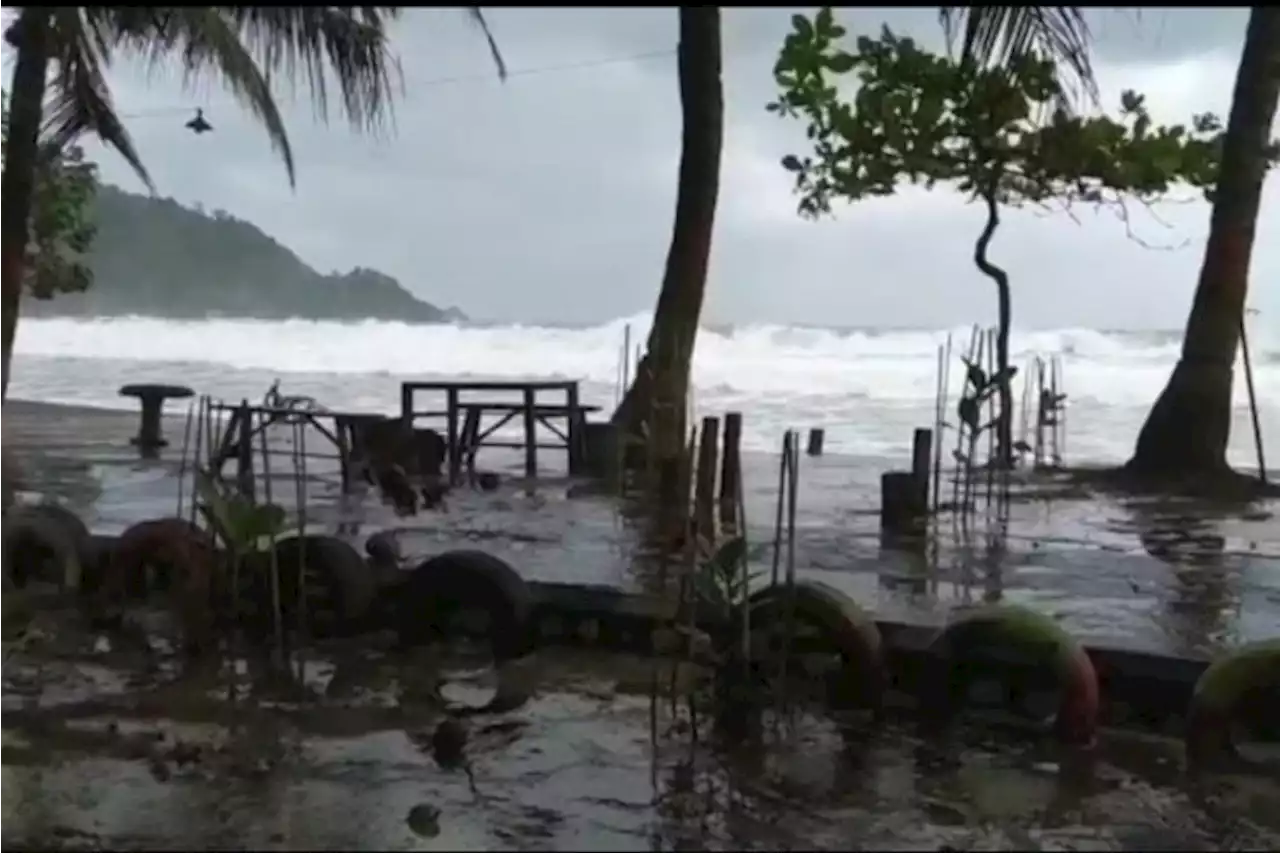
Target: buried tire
1245,678
442,588
173,557
150,555
339,585
46,542
1035,640
844,626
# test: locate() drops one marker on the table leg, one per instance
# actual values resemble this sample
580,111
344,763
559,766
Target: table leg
451,426
530,434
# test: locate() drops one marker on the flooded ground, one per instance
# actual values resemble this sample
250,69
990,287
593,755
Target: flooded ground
1165,576
104,747
107,747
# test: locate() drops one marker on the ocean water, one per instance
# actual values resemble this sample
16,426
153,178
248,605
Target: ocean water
868,388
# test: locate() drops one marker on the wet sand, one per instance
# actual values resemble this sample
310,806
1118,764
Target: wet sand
1164,576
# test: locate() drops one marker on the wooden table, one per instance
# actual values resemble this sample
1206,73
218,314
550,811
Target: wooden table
149,438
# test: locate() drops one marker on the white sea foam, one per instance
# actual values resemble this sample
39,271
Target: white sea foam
867,387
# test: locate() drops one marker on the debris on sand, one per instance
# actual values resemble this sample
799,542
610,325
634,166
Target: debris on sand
424,820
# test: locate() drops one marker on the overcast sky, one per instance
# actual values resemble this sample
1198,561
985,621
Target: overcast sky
551,197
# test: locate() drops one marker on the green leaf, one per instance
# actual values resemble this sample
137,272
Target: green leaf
841,63
236,520
730,554
802,27
824,20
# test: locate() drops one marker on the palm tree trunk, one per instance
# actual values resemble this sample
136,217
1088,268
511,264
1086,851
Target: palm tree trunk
1186,433
17,185
657,397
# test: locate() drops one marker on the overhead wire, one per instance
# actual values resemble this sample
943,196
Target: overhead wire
580,65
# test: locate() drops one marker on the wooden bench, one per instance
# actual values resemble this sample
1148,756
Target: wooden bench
463,417
472,437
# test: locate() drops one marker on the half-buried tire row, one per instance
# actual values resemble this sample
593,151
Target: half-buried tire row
475,592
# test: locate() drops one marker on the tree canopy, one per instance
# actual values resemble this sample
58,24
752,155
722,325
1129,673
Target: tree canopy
62,223
923,118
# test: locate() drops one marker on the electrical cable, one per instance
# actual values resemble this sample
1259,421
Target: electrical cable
161,112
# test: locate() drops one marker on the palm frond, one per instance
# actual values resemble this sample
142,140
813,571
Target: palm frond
79,100
1000,35
477,16
203,40
312,43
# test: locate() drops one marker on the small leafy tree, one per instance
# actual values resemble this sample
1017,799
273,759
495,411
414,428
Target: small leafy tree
999,135
62,227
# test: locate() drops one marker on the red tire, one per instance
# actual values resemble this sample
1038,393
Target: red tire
174,557
844,624
149,556
1244,677
1031,636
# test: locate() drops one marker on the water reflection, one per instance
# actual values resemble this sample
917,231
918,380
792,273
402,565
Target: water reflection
1203,587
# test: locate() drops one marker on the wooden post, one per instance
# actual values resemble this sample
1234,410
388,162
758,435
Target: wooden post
227,440
573,428
902,504
730,469
451,435
244,451
921,454
530,434
406,404
343,438
469,438
705,490
602,454
816,438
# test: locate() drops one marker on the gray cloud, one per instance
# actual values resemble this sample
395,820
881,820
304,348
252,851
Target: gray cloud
550,197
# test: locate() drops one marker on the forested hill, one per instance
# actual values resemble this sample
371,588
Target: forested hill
154,257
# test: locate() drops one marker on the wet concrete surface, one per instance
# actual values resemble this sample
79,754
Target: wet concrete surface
104,746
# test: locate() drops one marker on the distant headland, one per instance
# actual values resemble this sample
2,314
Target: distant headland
154,257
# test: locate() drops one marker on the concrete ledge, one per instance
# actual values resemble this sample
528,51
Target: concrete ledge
1142,688
1138,688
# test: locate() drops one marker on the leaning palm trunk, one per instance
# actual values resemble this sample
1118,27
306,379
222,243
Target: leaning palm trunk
656,400
1186,433
17,185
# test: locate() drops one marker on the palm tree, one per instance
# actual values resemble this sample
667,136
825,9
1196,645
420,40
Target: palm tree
1186,433
656,401
243,45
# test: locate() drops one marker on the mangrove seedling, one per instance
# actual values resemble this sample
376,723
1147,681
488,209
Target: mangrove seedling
978,389
242,524
247,528
720,581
